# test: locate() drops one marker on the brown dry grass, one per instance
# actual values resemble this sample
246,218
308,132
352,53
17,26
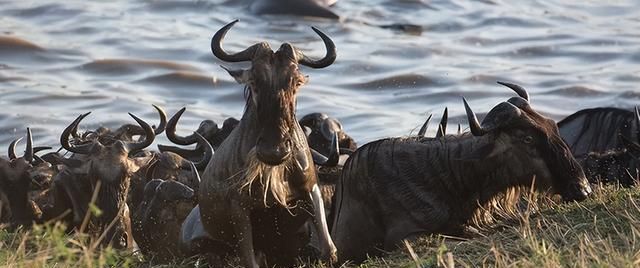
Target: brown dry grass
603,231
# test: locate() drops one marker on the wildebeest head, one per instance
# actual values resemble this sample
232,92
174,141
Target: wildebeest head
111,162
125,133
171,166
322,129
533,140
110,166
272,83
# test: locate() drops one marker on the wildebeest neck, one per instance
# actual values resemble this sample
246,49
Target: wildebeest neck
478,179
461,171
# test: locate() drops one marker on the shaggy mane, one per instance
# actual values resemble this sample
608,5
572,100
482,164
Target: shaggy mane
274,187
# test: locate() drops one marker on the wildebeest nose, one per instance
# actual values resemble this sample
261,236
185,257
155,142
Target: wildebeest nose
577,192
273,154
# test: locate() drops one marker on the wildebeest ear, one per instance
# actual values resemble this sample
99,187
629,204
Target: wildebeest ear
241,76
482,152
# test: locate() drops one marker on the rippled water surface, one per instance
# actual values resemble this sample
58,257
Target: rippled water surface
62,58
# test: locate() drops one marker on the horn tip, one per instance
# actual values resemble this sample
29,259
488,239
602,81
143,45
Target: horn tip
158,108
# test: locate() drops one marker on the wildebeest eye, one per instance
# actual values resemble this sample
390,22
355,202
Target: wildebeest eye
527,139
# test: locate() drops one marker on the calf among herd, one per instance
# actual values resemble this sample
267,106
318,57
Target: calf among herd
269,187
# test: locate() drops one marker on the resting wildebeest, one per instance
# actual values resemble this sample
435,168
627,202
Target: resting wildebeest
158,219
257,188
18,177
111,167
208,129
397,188
604,141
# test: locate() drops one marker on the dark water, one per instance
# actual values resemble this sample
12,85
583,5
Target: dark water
62,58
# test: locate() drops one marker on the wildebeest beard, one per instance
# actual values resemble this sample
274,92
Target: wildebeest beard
271,180
111,195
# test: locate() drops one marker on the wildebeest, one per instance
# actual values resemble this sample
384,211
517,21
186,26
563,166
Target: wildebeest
158,219
312,8
397,188
257,188
605,143
18,177
106,169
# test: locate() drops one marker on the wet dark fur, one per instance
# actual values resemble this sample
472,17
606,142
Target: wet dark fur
615,166
239,209
398,188
594,136
597,130
158,219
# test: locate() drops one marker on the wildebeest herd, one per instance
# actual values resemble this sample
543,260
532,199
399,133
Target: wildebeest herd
262,188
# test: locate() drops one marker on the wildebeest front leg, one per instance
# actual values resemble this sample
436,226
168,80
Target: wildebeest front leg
241,221
329,251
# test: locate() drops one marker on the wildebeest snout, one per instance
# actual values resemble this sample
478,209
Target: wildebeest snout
577,191
273,153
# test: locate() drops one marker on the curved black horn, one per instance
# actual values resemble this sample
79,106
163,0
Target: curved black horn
185,153
30,150
12,149
442,127
149,136
328,59
28,153
74,132
171,131
64,138
208,152
38,149
475,127
518,89
163,120
425,126
216,47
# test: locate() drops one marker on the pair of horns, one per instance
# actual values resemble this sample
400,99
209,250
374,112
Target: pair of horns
187,140
248,54
88,147
474,125
136,129
30,151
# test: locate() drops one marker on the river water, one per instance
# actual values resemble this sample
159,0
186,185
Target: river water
59,59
